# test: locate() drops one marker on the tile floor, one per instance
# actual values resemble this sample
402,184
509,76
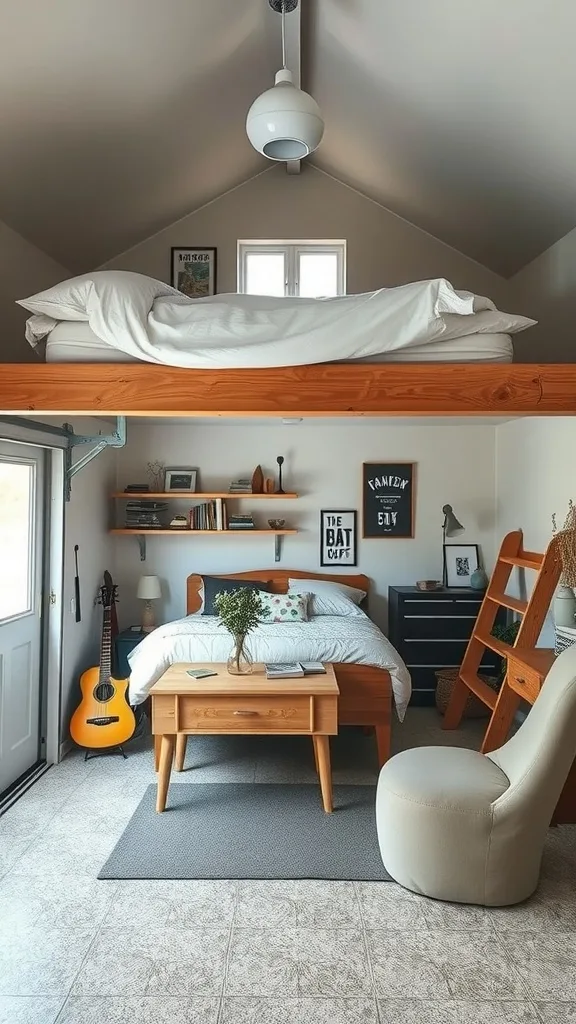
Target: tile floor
77,951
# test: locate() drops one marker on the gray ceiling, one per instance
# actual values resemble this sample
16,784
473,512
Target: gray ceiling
119,116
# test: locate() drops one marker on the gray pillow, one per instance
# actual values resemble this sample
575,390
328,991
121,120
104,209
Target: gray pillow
215,585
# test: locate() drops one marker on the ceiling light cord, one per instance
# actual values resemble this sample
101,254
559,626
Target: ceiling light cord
284,35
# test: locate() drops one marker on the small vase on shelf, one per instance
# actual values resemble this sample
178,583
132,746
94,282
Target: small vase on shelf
564,607
240,661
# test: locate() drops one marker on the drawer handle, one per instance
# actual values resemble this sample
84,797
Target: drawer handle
245,714
520,680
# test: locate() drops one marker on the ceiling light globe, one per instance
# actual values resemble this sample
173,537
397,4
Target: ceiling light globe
285,123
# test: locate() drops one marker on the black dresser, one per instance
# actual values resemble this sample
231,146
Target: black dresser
430,630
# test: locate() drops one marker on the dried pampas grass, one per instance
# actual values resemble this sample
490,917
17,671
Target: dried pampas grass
566,539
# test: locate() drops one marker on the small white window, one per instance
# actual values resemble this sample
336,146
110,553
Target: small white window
312,269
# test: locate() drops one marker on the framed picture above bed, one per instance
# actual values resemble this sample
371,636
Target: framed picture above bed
193,271
337,537
388,499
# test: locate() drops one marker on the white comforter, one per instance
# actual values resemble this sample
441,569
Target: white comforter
330,638
150,321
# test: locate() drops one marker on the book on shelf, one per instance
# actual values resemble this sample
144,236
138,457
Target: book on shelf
294,669
209,515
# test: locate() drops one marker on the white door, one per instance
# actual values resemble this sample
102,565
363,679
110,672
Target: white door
21,554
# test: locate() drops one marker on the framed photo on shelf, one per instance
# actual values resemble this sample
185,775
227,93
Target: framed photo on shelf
177,479
388,499
460,561
338,541
193,271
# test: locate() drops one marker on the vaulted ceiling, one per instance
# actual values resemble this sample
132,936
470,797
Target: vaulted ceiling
120,116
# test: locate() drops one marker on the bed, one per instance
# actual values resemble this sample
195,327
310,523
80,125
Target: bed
367,689
75,342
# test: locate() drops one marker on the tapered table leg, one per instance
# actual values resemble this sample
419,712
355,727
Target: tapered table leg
323,752
164,770
181,741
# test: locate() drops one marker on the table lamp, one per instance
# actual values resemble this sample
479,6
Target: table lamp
451,527
148,591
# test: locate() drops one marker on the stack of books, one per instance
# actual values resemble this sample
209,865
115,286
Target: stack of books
144,514
241,522
210,515
241,486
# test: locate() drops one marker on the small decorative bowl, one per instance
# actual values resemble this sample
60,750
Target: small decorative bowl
428,585
276,524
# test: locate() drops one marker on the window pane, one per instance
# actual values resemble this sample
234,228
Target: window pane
265,273
318,274
16,541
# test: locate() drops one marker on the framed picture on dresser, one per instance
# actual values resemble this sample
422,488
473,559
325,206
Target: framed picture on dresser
460,561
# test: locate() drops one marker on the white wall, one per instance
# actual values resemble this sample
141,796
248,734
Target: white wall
24,270
455,463
546,290
87,519
382,249
534,479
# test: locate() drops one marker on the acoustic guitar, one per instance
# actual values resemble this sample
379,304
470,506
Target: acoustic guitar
103,718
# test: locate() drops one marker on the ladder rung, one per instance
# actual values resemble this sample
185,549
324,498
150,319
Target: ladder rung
480,688
498,646
527,560
508,602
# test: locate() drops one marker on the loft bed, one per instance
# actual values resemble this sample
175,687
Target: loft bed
320,389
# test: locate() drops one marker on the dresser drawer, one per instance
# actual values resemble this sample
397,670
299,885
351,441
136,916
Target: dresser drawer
440,606
288,714
423,627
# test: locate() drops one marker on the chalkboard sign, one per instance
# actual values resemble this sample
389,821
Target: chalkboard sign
388,499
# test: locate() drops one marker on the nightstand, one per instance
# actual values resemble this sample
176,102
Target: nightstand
124,643
430,630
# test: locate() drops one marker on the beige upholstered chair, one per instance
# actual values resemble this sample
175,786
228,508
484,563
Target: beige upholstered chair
468,827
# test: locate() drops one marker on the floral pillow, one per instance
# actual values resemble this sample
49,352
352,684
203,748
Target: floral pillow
288,607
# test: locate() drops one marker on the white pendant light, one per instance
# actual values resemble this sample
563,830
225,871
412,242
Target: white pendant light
284,123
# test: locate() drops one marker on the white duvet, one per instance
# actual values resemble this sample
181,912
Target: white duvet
153,322
329,638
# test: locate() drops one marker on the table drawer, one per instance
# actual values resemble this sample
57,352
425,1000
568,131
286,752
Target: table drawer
524,682
251,714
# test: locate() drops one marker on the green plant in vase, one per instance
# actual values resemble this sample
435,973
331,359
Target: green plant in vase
240,611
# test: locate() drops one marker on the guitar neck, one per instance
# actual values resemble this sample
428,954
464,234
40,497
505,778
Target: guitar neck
106,645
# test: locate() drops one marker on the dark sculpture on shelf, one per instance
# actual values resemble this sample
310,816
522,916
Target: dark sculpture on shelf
280,460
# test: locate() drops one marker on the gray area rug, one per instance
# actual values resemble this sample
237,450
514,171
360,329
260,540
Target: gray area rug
250,830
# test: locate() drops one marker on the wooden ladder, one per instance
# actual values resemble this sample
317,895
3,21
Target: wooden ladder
533,612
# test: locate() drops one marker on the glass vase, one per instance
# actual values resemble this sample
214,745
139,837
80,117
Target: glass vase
240,662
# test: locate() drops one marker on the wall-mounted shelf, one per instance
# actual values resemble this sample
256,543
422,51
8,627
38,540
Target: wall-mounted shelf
212,533
198,495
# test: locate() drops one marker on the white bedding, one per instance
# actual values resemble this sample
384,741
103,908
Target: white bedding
150,321
73,341
329,638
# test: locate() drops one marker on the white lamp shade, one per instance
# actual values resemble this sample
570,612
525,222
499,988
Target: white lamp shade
149,588
285,123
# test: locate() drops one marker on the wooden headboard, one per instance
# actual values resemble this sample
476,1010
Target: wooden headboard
276,579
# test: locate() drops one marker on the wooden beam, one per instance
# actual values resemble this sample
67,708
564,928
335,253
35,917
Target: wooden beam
326,389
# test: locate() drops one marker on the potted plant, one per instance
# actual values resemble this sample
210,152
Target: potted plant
564,600
240,611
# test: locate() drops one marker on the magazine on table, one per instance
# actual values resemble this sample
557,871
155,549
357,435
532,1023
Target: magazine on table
293,669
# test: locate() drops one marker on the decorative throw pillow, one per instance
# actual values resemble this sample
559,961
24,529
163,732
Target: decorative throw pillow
329,598
288,607
216,585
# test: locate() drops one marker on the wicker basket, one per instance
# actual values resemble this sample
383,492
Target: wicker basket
474,707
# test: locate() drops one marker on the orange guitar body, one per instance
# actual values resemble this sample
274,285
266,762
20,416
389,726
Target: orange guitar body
102,723
103,718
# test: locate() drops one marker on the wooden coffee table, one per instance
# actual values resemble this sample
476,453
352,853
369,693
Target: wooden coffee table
250,705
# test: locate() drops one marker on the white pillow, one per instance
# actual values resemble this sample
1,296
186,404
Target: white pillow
487,321
72,299
329,598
